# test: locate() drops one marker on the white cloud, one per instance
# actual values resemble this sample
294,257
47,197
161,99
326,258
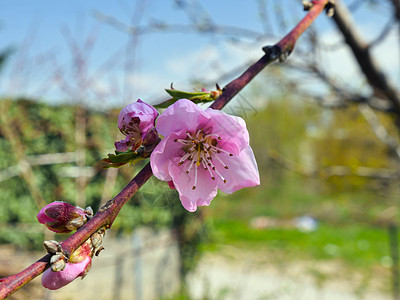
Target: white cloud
189,63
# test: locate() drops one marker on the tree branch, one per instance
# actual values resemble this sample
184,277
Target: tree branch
103,218
361,51
272,53
379,130
109,211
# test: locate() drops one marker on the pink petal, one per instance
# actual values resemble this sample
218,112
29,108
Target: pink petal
122,146
206,188
242,172
166,150
182,115
55,280
42,217
231,129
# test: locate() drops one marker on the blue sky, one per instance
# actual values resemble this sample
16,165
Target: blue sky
43,33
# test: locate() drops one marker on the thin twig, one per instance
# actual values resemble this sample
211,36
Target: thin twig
384,33
279,51
378,128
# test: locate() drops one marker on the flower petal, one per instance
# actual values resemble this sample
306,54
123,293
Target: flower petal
206,188
161,156
231,129
242,172
182,115
55,280
122,145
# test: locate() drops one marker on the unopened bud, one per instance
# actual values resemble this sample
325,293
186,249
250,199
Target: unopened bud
284,55
307,5
330,8
88,212
96,241
62,217
97,252
134,121
215,94
52,247
58,262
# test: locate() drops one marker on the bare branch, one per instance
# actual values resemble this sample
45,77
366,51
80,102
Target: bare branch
384,33
179,28
375,76
279,51
396,6
379,130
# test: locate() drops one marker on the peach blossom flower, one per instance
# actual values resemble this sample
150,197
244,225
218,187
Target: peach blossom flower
203,150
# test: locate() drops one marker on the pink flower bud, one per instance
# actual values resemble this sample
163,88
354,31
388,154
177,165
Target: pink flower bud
134,121
78,265
61,217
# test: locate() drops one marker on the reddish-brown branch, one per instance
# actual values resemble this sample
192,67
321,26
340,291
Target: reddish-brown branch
108,212
279,51
103,218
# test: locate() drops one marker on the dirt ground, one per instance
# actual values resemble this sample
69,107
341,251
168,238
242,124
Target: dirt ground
234,274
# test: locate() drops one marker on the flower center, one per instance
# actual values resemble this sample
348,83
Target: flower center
200,149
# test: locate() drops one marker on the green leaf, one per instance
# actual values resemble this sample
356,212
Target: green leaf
121,158
195,97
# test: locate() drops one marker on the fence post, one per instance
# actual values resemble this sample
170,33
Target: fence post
137,266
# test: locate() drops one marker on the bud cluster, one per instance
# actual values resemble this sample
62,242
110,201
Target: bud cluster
62,270
62,217
58,261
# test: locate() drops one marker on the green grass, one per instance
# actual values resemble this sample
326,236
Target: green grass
347,230
356,245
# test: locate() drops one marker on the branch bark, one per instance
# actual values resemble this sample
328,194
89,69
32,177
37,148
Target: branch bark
272,53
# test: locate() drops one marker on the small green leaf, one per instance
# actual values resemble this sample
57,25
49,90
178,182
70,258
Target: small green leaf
187,95
121,158
195,97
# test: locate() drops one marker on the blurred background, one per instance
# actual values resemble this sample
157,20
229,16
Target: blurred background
324,126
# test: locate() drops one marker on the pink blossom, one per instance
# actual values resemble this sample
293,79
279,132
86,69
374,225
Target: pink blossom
78,265
203,150
61,217
134,121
